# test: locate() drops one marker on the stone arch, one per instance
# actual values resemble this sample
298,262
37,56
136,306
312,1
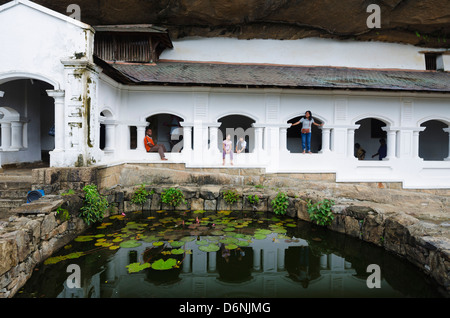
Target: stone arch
370,134
237,125
293,137
434,139
237,113
166,129
18,75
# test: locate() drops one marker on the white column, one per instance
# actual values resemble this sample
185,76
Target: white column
187,141
214,146
350,143
325,140
447,130
140,136
283,138
390,142
58,96
16,135
6,136
2,93
110,136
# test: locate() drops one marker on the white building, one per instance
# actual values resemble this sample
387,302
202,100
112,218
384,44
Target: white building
102,86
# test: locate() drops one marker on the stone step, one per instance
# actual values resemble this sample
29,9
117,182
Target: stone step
15,185
11,203
14,194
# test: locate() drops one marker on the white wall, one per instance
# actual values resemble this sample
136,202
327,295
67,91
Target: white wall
310,51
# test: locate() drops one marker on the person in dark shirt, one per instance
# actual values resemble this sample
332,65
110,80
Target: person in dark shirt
382,151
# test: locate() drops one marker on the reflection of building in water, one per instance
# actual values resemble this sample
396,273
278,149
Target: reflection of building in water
265,269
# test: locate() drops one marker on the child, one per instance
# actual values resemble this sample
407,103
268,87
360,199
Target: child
227,148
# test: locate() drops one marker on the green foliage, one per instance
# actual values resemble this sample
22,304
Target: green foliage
63,214
94,205
69,192
164,264
320,212
230,196
140,196
137,267
280,203
173,197
253,199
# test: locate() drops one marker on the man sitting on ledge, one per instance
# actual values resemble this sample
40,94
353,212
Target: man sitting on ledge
150,145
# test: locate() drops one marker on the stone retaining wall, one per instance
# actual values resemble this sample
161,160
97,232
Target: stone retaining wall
361,212
28,240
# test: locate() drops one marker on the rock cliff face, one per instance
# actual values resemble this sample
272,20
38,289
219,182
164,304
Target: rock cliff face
422,23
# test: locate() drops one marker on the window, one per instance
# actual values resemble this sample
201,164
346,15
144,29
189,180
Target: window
430,61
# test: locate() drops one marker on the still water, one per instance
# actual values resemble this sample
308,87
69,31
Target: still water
166,254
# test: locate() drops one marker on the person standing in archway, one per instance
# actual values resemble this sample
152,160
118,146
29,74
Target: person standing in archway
307,123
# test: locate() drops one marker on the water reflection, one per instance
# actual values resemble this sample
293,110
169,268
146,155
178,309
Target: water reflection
305,261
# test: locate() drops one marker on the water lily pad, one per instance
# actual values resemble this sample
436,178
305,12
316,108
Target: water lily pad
291,225
263,231
231,246
84,238
114,247
177,251
137,267
56,259
158,243
229,240
209,248
188,239
202,242
259,236
130,244
177,243
243,243
164,264
217,232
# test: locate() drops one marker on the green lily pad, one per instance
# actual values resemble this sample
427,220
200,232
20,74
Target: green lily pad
188,239
84,238
217,232
209,248
229,240
158,243
137,267
259,236
229,229
231,246
177,251
130,244
291,225
164,264
243,243
263,231
202,242
177,243
56,259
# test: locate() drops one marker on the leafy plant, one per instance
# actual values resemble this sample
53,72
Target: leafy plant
230,196
253,199
320,212
280,203
63,214
173,197
140,196
69,192
94,205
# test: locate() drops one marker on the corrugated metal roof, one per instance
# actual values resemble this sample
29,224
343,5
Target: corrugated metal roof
253,75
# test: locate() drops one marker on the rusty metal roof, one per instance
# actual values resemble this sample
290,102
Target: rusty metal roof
281,76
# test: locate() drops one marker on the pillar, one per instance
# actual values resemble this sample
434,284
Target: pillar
58,96
390,142
283,139
350,143
2,93
6,136
325,140
140,136
214,146
110,136
16,135
447,130
187,141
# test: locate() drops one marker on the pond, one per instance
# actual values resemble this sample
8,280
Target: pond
225,254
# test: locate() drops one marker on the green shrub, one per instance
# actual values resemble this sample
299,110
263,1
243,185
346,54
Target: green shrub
140,196
280,203
173,197
62,214
253,199
69,192
230,196
320,212
94,205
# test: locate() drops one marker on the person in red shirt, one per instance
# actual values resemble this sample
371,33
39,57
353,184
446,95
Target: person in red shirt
150,145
